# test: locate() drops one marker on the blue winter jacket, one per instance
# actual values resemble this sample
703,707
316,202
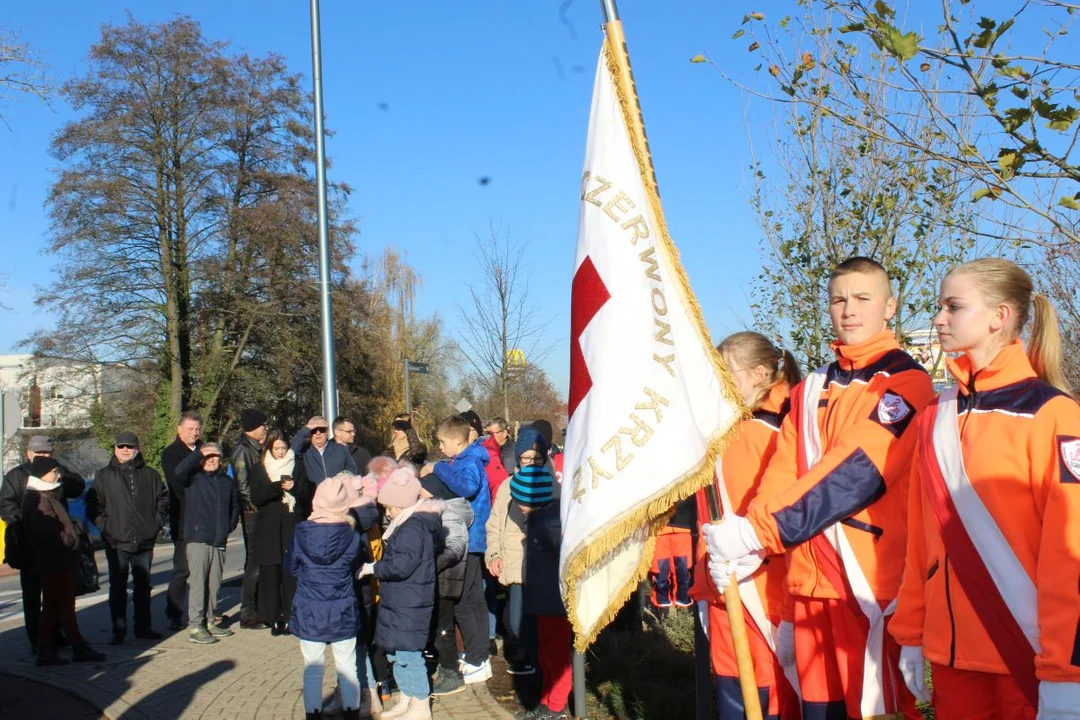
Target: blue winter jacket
334,458
211,502
406,575
465,475
324,558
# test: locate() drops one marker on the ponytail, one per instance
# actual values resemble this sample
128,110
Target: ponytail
1044,348
789,372
754,349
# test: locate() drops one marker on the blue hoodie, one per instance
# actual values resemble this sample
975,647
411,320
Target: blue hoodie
323,558
465,476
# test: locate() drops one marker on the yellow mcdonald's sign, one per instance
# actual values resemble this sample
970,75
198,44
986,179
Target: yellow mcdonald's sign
515,357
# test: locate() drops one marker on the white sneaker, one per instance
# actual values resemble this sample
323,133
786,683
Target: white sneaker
476,673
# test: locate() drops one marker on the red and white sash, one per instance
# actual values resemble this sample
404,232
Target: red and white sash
748,590
995,582
835,538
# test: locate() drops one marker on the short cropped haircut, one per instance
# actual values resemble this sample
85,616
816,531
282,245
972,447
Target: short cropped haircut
341,420
859,264
454,427
190,415
498,422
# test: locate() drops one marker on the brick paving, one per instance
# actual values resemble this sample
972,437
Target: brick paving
250,675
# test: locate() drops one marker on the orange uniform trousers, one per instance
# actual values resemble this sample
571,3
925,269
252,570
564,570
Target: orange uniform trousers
972,695
778,698
671,566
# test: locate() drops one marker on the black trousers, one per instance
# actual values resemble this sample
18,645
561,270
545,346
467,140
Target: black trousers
121,563
276,591
250,582
176,597
31,601
471,615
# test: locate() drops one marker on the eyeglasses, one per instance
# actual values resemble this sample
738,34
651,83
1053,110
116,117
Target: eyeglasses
125,447
319,430
343,431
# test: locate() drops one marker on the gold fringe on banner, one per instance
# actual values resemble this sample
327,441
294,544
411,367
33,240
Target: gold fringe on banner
656,511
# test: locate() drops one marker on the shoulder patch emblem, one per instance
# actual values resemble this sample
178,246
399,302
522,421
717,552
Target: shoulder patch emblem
892,409
1069,448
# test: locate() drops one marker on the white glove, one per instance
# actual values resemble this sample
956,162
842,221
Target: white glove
731,538
365,570
785,647
913,668
721,570
1059,701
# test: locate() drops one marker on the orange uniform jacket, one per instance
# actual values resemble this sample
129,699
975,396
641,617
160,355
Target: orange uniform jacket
743,464
871,394
1013,430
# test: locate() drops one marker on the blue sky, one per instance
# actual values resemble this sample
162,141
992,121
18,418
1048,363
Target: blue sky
474,89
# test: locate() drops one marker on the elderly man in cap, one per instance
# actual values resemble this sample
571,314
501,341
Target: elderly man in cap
11,498
323,458
247,462
129,504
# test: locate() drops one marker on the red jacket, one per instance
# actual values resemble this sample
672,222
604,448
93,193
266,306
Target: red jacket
496,471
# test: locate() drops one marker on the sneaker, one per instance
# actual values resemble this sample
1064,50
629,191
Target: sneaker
48,656
84,653
447,682
148,634
476,673
521,668
219,632
543,712
201,637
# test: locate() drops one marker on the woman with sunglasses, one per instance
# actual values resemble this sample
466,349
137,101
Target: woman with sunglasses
405,445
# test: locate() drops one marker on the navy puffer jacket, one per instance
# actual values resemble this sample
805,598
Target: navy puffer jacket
406,575
324,557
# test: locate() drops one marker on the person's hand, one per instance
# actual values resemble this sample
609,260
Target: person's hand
316,422
495,567
720,571
427,469
913,669
208,450
731,538
286,485
365,570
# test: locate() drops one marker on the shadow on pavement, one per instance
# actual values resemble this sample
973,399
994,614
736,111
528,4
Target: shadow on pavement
177,695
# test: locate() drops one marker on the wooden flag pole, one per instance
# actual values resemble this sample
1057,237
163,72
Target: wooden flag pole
620,57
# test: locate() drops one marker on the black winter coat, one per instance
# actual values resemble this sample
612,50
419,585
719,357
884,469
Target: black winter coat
406,575
540,574
274,524
213,503
128,503
49,529
14,487
246,462
170,458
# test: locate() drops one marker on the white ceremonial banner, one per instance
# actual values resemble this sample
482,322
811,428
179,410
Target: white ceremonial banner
650,402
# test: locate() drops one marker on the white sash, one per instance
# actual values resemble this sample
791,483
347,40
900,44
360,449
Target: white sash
1009,576
748,591
873,696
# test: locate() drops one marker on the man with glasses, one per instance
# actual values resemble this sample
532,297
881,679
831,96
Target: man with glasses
345,434
323,458
128,503
499,429
247,463
11,497
188,434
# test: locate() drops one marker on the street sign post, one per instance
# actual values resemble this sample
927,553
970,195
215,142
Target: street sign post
412,367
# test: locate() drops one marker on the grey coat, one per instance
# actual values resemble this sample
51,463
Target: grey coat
457,516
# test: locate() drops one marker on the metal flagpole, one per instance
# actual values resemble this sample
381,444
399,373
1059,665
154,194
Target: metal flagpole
636,128
325,306
408,395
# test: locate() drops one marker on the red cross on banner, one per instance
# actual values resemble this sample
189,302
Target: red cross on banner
588,295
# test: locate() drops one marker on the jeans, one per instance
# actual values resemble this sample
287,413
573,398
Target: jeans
175,600
31,600
520,628
120,563
249,584
345,662
492,588
410,673
207,564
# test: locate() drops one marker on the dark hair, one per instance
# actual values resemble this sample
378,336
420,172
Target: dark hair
339,421
272,437
190,415
859,264
454,426
471,417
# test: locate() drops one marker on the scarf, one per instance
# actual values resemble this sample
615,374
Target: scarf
401,446
401,518
36,483
276,468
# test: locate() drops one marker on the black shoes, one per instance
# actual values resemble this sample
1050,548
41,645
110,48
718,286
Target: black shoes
148,634
279,629
447,682
252,624
48,656
117,638
84,653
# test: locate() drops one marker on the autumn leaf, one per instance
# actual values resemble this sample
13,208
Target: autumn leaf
774,70
757,15
698,59
754,46
925,67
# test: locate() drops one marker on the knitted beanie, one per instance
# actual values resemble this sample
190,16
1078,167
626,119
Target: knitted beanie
401,489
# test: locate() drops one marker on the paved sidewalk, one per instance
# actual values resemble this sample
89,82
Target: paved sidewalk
246,676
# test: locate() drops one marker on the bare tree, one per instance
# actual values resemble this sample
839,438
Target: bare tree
501,324
21,71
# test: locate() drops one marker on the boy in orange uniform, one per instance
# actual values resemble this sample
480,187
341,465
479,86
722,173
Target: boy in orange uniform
764,376
674,558
993,564
834,499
